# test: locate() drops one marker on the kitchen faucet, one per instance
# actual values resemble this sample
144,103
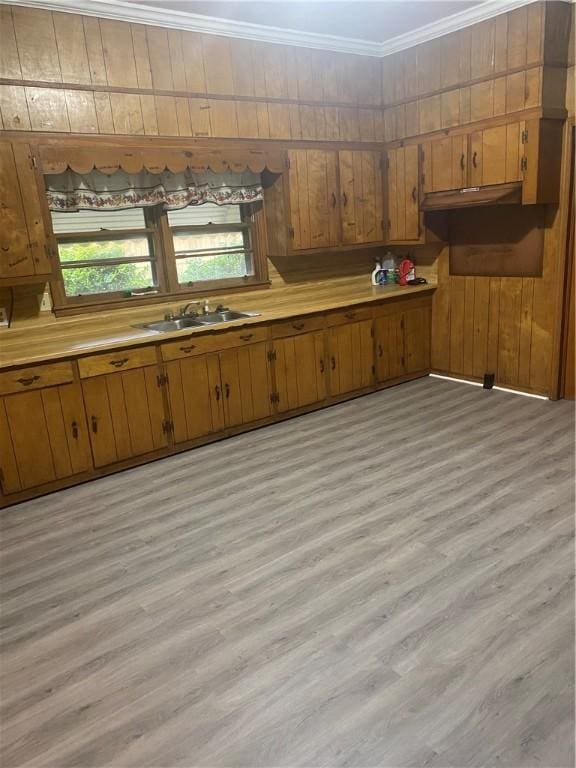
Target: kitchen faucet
205,307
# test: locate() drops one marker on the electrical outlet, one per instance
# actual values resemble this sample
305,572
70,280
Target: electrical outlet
3,317
46,303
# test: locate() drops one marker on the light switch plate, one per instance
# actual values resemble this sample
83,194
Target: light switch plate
3,317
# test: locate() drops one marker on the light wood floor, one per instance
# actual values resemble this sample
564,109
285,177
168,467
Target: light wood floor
388,582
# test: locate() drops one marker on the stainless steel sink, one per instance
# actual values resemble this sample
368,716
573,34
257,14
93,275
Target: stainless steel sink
164,326
223,316
197,321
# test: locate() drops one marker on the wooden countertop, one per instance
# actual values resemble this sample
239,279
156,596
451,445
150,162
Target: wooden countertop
80,335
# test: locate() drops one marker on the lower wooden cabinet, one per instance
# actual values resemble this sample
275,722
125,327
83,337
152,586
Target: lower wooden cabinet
300,369
195,397
53,427
351,357
246,385
402,338
43,437
208,393
126,416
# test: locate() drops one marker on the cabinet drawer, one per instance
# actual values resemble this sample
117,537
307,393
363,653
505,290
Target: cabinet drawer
200,345
349,316
23,379
297,325
394,307
120,360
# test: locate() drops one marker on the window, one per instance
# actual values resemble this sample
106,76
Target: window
211,243
116,255
105,251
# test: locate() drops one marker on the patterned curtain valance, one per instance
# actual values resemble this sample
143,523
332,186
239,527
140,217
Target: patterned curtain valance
71,191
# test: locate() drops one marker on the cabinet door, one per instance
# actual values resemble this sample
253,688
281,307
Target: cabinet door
245,375
402,342
416,330
300,370
351,357
488,157
445,164
125,414
361,196
389,336
403,185
313,189
22,239
43,437
195,396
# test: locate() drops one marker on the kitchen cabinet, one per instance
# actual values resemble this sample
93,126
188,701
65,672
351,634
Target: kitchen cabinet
23,248
126,415
195,397
325,199
43,437
361,197
350,351
210,392
402,339
300,370
403,194
527,152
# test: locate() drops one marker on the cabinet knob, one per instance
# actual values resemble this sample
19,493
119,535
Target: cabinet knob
380,350
298,326
333,200
119,363
217,392
94,423
189,348
462,161
475,159
75,430
227,391
246,336
414,194
333,363
321,365
344,199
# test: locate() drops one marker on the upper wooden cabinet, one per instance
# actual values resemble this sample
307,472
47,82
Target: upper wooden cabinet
528,152
325,199
361,191
403,194
23,249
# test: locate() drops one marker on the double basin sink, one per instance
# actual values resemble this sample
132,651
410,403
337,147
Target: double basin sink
196,321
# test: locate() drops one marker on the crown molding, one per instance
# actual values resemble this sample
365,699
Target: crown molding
142,14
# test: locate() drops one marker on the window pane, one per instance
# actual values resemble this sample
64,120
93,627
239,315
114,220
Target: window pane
129,248
117,277
94,221
216,267
186,242
200,215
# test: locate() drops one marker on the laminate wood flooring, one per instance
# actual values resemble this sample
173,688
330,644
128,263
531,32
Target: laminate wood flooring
388,582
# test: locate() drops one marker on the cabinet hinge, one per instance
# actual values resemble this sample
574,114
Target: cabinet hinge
167,426
524,137
291,232
287,162
272,355
33,162
523,164
372,331
162,379
274,397
373,370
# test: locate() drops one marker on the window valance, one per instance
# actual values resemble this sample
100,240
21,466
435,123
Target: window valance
95,190
107,160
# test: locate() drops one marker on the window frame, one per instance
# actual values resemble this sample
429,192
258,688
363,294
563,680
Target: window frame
164,259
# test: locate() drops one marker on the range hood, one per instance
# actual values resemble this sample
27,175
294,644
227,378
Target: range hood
496,194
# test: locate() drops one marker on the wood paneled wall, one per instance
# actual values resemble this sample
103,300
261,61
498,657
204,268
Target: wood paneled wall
507,325
508,64
67,73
